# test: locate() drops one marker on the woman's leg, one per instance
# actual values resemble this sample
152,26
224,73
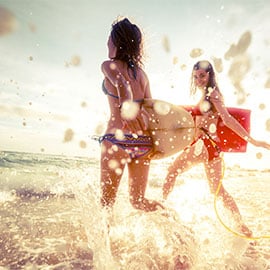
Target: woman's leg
138,177
193,155
214,172
112,164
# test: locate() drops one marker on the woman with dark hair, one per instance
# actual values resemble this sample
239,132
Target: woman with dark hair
205,147
126,142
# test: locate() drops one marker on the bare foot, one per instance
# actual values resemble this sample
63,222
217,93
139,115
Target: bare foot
154,206
148,205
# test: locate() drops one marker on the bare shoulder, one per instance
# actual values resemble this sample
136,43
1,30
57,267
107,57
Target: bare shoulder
216,96
143,75
111,70
107,65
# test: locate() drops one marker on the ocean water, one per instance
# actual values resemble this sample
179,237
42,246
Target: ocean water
51,219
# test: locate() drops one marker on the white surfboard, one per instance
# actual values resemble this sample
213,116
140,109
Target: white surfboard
171,127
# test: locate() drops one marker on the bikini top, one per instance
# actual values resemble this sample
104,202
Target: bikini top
106,92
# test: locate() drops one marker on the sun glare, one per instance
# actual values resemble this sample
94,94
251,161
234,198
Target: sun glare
191,195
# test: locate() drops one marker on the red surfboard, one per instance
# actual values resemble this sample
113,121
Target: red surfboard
229,140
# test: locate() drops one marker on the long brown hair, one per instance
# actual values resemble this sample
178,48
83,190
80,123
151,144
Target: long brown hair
212,83
127,38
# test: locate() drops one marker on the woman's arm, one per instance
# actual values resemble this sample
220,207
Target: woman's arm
147,91
232,123
133,118
112,73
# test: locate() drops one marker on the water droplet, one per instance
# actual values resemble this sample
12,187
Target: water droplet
162,108
129,110
212,128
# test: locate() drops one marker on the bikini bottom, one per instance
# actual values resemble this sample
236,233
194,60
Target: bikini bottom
135,145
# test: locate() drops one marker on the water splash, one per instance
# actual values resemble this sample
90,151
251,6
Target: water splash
125,238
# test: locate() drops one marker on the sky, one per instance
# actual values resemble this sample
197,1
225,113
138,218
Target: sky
51,51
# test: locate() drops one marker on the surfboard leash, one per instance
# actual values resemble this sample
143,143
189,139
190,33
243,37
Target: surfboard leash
226,226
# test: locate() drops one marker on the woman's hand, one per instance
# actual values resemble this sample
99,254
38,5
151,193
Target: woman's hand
261,144
134,118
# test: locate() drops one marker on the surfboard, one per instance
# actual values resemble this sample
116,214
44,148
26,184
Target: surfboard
171,127
229,140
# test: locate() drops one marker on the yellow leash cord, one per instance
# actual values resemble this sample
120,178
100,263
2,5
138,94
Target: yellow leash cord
227,227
